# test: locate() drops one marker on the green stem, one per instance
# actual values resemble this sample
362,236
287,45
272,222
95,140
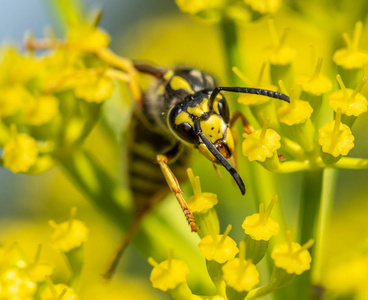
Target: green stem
328,193
157,235
232,51
309,210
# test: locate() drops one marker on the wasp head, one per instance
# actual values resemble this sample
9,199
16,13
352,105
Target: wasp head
205,125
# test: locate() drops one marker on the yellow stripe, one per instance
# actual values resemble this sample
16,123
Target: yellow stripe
179,83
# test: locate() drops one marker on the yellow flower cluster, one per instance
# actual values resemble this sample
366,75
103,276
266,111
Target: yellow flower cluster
233,276
21,279
48,103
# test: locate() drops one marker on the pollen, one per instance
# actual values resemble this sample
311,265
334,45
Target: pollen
168,274
291,256
260,226
261,144
20,152
239,273
218,247
351,102
335,137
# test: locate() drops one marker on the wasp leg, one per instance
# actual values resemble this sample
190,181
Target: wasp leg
174,186
246,125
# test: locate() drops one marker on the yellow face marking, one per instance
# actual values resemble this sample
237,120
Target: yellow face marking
168,74
183,117
214,128
179,83
200,108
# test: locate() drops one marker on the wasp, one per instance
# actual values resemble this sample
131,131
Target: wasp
184,110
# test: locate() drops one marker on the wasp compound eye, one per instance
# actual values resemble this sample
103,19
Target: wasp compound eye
223,110
181,124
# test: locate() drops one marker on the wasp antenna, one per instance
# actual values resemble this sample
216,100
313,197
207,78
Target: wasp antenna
246,90
219,157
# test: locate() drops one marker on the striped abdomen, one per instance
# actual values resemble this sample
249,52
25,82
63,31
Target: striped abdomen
145,176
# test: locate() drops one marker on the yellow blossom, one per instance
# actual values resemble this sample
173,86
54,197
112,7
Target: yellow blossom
264,6
200,202
59,291
250,99
87,37
39,271
279,53
335,137
168,274
351,102
240,274
12,98
41,110
261,144
15,284
316,84
69,234
218,247
16,68
20,152
94,88
351,57
261,226
291,256
298,111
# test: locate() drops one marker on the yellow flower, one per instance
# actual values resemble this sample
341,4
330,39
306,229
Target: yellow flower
250,99
70,234
168,274
316,84
239,273
351,102
218,247
94,88
54,292
12,98
261,226
351,57
87,37
39,271
20,152
261,144
41,110
296,112
264,6
335,137
16,68
291,256
15,284
200,202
